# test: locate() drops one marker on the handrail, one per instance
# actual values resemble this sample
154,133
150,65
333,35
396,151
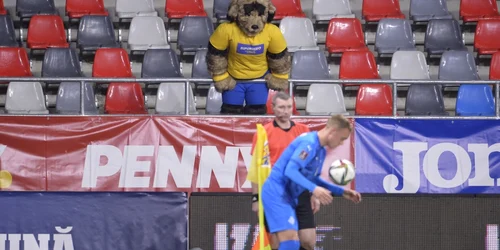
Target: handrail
187,82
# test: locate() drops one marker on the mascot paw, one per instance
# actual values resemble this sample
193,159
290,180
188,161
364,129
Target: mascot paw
226,84
276,83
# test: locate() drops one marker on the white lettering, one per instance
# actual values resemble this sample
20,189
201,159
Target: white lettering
239,234
30,242
2,148
132,166
3,239
63,240
92,169
247,158
221,239
482,164
168,162
431,168
411,168
492,237
224,172
15,241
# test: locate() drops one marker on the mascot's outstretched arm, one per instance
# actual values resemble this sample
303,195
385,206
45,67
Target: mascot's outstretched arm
217,66
279,64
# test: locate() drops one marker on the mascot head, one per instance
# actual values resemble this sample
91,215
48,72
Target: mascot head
251,15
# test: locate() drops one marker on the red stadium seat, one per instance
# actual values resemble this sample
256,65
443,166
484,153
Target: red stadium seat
3,11
495,66
14,62
374,10
475,10
487,36
269,104
79,8
125,98
345,34
111,62
374,99
177,9
286,8
358,65
46,31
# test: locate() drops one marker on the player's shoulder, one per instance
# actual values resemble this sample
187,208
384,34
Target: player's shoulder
307,138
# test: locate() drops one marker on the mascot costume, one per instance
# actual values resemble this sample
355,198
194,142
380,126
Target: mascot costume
248,47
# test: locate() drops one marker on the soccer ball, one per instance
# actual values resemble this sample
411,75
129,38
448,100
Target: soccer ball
342,172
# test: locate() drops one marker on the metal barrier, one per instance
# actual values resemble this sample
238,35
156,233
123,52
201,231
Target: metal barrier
187,82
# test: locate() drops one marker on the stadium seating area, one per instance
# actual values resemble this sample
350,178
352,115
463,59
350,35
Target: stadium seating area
330,39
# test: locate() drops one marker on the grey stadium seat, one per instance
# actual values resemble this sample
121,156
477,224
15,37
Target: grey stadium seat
458,65
309,64
61,62
96,32
220,9
29,8
425,10
68,99
443,35
171,99
194,33
425,100
393,35
160,63
147,32
7,32
25,98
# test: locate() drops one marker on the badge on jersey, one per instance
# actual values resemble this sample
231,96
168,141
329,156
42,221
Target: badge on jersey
303,155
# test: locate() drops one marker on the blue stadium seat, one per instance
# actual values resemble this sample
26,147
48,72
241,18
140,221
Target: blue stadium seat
309,64
443,35
425,10
194,33
475,100
458,65
29,8
61,62
160,63
220,9
425,100
393,35
7,32
68,99
96,32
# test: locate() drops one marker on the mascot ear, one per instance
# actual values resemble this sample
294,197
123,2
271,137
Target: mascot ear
271,10
232,13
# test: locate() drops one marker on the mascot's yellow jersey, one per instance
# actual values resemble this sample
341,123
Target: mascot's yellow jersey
247,55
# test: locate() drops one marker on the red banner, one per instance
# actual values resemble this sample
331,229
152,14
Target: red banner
110,153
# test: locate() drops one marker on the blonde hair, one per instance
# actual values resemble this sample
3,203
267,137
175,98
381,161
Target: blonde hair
339,121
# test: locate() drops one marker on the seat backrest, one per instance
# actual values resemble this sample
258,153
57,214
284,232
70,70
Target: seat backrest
298,32
3,11
487,36
309,64
111,62
96,31
79,8
171,99
160,63
424,100
475,100
287,8
409,65
68,99
14,62
7,32
428,9
194,32
138,7
393,35
28,8
176,9
474,10
325,99
61,62
46,31
214,101
358,65
25,98
200,69
220,8
495,66
331,7
125,98
458,65
147,30
374,99
442,35
345,34
374,10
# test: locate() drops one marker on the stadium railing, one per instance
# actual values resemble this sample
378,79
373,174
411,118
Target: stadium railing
187,82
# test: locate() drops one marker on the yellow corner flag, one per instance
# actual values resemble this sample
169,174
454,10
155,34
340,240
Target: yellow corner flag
260,168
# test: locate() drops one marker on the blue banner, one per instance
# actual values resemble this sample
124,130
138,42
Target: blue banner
93,221
427,156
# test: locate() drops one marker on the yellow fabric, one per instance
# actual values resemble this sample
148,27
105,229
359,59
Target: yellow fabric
247,55
260,168
220,77
281,76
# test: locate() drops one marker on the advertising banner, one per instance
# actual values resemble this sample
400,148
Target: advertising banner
427,156
379,222
93,221
127,153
